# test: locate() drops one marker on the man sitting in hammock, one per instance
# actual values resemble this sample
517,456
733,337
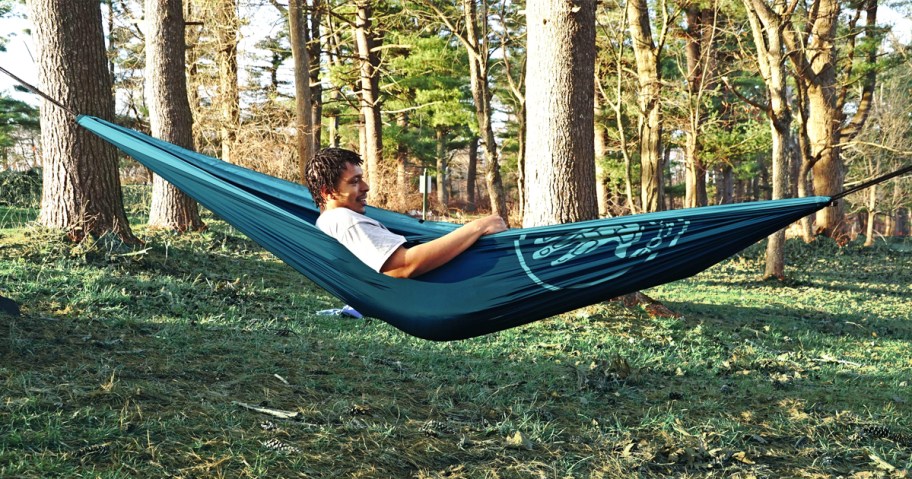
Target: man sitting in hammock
336,182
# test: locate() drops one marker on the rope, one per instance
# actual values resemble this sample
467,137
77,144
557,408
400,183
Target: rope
38,92
879,179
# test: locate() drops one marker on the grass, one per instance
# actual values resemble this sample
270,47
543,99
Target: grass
134,364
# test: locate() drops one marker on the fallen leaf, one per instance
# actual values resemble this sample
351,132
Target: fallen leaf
741,456
519,441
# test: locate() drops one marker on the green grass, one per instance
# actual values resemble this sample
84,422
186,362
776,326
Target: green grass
133,365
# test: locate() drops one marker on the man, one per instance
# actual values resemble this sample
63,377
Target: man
336,182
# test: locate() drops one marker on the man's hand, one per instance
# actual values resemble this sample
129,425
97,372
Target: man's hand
490,224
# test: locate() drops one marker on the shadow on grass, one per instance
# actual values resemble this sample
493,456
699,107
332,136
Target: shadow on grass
133,366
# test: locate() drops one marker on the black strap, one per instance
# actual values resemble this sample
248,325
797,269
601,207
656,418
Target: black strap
38,92
866,184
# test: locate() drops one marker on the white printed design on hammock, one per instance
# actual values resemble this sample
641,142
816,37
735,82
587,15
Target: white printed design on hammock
541,257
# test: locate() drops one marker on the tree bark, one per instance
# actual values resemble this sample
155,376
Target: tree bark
816,66
442,193
81,189
767,27
872,216
370,97
169,109
402,157
304,137
471,173
315,52
560,165
649,119
600,144
228,25
699,37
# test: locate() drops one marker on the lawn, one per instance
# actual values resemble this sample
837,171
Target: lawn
203,356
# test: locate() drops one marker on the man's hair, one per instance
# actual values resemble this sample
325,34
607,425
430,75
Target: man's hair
325,169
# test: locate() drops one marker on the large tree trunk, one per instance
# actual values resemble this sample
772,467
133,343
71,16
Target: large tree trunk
81,191
304,139
649,119
816,66
227,28
370,97
169,108
476,44
560,165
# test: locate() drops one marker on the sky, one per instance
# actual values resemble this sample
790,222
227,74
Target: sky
19,55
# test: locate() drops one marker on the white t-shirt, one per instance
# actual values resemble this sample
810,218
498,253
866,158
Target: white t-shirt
366,238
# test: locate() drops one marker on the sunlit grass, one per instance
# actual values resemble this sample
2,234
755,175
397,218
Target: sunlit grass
134,365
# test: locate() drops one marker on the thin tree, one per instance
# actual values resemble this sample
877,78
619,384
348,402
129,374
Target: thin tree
169,109
699,52
475,40
315,54
767,29
81,191
646,51
227,26
560,163
304,116
369,60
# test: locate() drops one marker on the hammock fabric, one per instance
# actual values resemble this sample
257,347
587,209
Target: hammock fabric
504,280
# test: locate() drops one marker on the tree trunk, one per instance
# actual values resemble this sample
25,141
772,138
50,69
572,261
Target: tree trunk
901,221
442,193
695,173
227,27
699,37
81,189
766,26
872,216
600,144
521,155
649,119
315,53
728,186
169,109
402,156
370,97
471,173
816,65
560,167
481,94
304,137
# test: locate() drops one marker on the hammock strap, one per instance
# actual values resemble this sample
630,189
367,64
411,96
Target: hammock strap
879,179
38,92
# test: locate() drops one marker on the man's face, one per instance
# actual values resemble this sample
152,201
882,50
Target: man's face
350,191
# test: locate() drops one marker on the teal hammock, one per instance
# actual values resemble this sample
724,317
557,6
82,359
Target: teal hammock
505,280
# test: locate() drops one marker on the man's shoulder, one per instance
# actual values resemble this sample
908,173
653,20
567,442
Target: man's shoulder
343,215
336,219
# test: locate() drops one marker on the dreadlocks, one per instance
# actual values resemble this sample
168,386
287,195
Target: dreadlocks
325,169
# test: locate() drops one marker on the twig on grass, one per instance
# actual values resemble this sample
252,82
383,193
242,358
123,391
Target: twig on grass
830,359
272,412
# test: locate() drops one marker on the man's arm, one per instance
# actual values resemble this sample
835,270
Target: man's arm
415,261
